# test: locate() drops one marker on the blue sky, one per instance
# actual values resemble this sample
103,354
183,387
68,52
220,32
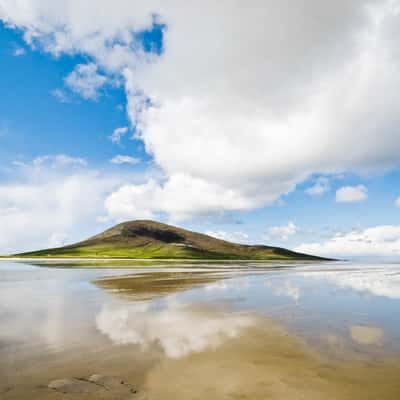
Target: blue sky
205,144
36,123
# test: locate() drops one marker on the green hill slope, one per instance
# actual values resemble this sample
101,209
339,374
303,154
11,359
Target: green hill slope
154,240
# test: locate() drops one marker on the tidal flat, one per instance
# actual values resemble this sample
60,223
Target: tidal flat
312,331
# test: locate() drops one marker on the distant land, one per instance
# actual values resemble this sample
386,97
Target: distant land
154,240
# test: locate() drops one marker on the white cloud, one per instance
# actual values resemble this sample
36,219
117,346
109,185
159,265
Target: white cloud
351,194
60,95
59,160
134,201
282,92
398,202
236,237
19,51
51,162
86,81
321,185
121,159
57,239
49,199
179,331
282,232
118,133
179,197
383,240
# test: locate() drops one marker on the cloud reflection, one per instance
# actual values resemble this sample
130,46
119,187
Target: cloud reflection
43,313
385,282
285,288
178,330
367,335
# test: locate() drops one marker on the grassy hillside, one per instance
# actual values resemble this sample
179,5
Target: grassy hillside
153,240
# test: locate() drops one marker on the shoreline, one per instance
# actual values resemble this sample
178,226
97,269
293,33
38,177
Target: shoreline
126,263
202,260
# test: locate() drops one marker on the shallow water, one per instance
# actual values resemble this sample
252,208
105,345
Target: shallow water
204,331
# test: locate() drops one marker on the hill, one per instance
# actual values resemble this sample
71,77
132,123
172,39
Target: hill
154,240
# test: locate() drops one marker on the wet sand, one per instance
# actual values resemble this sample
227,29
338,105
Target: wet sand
263,362
202,352
267,363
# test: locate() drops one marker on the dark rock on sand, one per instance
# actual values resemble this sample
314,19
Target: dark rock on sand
73,385
105,387
112,383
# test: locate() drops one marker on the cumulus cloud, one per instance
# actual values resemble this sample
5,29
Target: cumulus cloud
134,201
86,81
118,133
178,197
281,92
57,239
383,240
321,185
282,232
236,237
179,331
51,199
121,159
351,194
